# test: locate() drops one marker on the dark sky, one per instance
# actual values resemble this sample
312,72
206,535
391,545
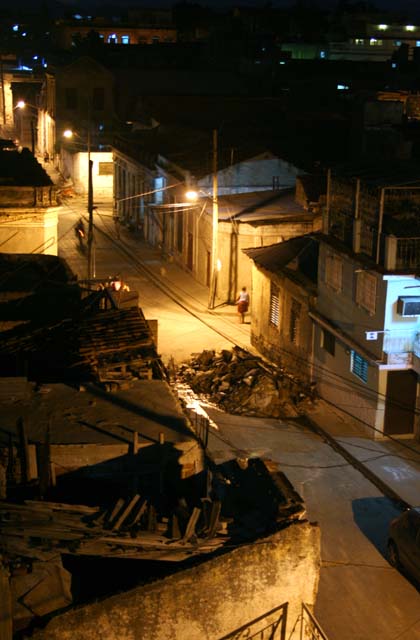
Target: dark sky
407,6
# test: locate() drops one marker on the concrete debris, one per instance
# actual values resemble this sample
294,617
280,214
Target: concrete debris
242,383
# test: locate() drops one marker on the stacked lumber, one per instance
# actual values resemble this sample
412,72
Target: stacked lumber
130,529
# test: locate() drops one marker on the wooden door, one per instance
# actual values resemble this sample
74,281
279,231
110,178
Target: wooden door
400,404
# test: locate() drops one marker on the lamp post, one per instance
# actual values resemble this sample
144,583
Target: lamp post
215,228
91,272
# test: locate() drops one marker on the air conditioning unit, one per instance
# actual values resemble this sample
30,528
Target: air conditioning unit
408,306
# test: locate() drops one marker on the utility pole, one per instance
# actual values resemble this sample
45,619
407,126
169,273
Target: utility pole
215,227
91,270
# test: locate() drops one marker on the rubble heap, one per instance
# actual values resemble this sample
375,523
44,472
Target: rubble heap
242,383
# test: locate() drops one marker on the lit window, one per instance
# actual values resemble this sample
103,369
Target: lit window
294,321
359,41
374,42
417,43
359,366
382,27
125,39
397,43
159,186
112,38
334,272
394,65
322,54
366,291
328,342
342,87
410,27
15,27
274,305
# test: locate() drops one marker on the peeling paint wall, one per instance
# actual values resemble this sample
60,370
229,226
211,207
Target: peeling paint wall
208,601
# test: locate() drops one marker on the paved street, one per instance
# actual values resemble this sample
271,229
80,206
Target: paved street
360,595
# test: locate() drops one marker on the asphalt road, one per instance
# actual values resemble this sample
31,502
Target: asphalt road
361,597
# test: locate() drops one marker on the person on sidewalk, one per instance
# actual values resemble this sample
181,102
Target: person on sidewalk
242,304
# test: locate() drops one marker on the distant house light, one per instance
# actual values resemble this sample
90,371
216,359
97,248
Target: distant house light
77,16
112,38
282,61
359,41
382,27
397,43
342,87
410,27
417,43
322,54
374,42
15,27
394,65
34,57
125,39
24,34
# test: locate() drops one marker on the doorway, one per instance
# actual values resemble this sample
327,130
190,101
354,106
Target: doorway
400,402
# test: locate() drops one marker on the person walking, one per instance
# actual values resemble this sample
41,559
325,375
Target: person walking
242,303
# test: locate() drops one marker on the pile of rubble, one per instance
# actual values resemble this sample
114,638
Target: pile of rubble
242,383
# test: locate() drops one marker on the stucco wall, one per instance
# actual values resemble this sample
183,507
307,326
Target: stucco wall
274,342
210,600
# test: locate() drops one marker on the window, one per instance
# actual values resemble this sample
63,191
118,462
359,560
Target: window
106,168
113,38
274,305
70,97
366,291
328,342
334,272
359,366
294,321
359,41
159,185
98,98
375,43
125,39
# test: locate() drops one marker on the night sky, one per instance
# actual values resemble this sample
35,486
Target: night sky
397,5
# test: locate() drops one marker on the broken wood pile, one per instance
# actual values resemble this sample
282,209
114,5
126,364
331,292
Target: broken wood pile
242,383
130,529
106,346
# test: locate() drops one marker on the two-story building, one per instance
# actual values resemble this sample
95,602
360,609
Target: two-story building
341,308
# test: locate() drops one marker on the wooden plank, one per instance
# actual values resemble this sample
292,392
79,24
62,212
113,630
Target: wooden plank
126,512
140,512
214,518
6,617
116,510
190,530
61,506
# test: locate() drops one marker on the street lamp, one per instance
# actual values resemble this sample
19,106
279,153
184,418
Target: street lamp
68,134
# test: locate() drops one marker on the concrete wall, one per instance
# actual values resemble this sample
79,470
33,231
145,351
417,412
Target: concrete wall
208,601
29,230
76,166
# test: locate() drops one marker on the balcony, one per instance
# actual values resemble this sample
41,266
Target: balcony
402,253
402,349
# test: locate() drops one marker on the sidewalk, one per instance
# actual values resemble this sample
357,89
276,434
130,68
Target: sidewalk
392,464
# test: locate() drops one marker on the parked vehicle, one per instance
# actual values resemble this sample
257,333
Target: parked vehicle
404,542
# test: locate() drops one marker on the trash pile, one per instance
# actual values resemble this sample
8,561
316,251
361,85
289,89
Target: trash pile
241,383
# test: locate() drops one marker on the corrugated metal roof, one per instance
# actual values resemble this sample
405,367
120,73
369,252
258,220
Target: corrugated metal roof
260,205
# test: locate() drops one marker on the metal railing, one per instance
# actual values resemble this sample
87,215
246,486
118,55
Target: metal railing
310,629
270,626
408,253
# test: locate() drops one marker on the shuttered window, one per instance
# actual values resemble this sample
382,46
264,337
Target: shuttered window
334,272
366,291
274,306
359,366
